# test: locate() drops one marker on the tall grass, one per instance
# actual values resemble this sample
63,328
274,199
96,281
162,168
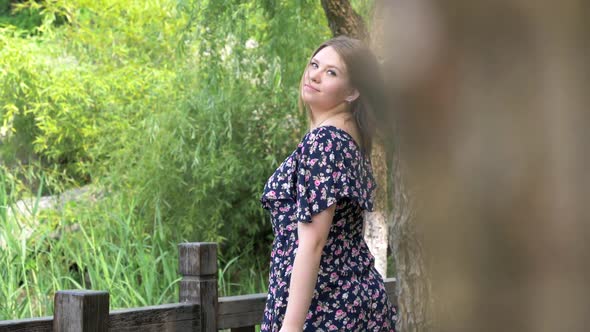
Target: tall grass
97,246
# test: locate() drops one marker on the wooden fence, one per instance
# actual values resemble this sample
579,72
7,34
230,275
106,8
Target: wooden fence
199,308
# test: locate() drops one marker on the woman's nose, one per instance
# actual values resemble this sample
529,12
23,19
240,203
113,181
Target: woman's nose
314,75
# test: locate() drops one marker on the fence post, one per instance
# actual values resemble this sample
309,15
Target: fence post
81,311
198,268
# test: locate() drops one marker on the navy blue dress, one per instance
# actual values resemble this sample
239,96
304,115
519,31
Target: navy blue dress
326,168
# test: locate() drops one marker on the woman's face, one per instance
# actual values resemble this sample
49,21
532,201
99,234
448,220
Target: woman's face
325,81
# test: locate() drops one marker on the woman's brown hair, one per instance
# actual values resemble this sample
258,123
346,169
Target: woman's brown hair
364,74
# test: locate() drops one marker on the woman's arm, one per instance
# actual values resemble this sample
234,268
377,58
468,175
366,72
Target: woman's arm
312,239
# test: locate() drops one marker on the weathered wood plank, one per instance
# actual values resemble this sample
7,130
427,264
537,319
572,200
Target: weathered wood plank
178,326
238,313
41,324
166,317
233,304
244,329
242,310
81,311
198,266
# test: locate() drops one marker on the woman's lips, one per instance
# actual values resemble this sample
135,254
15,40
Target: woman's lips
309,87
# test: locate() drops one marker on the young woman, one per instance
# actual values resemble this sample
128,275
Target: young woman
322,275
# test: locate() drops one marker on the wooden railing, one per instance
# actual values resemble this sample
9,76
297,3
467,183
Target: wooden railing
200,309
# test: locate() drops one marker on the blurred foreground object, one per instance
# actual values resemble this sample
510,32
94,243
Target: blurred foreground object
492,111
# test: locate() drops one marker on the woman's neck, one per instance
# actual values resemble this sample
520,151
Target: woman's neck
329,118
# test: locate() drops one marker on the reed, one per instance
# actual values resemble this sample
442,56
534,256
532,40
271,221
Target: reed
100,246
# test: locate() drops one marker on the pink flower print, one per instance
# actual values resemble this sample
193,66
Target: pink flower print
272,194
333,277
311,197
349,296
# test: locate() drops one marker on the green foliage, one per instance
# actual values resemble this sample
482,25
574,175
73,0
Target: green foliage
77,250
47,110
178,110
64,89
102,245
13,13
217,132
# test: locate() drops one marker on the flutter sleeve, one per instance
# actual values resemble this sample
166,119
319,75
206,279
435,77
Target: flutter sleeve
330,169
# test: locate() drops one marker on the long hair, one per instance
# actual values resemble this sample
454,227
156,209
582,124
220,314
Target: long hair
364,74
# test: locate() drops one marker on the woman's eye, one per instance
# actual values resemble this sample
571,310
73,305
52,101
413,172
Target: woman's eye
331,72
313,64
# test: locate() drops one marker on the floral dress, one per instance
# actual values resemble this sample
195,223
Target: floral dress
326,168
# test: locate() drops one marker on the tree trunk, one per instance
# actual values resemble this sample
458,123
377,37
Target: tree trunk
375,229
344,20
413,286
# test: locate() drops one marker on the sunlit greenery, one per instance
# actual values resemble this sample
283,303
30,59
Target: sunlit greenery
173,113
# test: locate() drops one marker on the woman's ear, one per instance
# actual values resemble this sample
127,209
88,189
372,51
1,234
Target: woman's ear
353,96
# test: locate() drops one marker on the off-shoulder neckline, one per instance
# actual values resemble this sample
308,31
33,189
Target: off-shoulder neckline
342,131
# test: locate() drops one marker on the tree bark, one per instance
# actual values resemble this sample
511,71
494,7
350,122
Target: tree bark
375,229
343,20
